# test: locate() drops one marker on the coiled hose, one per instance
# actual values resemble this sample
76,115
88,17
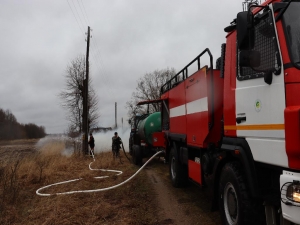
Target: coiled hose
101,177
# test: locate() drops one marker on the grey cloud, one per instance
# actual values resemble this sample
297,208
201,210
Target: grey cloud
133,37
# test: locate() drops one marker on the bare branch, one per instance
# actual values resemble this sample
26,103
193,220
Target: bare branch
72,96
148,88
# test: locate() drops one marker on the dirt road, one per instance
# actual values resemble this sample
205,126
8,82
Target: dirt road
189,205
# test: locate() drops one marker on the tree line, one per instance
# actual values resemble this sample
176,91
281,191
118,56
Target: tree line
11,129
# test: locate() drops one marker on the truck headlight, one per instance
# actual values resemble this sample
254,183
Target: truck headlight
293,191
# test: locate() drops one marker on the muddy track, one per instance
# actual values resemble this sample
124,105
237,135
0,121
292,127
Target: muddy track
189,205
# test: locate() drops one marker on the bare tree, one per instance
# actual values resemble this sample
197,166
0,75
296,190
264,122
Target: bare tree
72,96
148,88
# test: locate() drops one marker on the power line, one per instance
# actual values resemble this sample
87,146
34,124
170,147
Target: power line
82,11
95,52
75,16
85,15
97,57
78,14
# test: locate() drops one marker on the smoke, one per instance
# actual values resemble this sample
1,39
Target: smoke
50,139
103,140
48,144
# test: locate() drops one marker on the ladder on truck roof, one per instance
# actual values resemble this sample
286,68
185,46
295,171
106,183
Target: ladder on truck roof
183,74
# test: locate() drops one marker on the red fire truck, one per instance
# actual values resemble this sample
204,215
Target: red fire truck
236,129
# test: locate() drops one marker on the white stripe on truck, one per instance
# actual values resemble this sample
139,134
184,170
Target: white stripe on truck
196,106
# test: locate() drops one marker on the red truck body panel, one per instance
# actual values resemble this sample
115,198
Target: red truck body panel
190,104
229,86
177,109
195,171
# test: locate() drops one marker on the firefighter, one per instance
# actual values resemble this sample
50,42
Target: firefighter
92,144
116,145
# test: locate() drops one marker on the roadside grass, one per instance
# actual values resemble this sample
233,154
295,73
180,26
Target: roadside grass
132,203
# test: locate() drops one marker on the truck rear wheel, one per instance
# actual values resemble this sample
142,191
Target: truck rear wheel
235,204
137,158
178,172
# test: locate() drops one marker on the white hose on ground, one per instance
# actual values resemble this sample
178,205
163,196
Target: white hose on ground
93,190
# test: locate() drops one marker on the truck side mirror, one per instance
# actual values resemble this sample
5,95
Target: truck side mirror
245,30
268,77
129,121
249,58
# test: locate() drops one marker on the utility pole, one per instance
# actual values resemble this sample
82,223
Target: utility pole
116,126
85,114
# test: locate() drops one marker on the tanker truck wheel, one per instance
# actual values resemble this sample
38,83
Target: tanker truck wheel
130,146
137,158
178,172
235,204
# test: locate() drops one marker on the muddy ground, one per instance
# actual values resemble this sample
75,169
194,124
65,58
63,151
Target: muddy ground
189,205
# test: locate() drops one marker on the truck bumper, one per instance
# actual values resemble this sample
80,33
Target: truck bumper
290,209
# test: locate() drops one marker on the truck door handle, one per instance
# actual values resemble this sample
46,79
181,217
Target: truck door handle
240,119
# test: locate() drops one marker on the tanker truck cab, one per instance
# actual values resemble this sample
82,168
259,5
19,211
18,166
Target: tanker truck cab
142,128
236,129
134,124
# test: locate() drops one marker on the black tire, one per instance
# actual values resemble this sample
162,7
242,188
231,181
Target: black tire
236,206
137,158
130,146
178,172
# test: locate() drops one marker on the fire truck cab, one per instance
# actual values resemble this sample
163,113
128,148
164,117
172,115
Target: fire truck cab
236,129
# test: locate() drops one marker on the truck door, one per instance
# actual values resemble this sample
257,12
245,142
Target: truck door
260,96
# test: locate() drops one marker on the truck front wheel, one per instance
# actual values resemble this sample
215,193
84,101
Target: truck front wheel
178,172
236,206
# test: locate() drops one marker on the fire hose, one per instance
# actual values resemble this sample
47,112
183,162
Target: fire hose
125,152
101,177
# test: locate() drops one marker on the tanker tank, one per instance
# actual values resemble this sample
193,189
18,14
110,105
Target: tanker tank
148,126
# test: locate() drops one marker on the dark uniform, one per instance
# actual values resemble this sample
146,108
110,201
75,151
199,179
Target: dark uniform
92,143
116,145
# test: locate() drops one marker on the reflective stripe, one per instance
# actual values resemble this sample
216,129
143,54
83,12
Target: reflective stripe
177,111
199,105
256,127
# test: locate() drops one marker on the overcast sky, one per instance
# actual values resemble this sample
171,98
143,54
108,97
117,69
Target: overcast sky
129,38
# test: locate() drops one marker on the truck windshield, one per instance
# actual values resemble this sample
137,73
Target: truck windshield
291,19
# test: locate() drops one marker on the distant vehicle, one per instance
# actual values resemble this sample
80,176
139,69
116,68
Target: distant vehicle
142,128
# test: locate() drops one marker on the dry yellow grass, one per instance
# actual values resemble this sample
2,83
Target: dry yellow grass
131,203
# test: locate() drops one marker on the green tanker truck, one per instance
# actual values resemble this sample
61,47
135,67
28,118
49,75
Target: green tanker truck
140,140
